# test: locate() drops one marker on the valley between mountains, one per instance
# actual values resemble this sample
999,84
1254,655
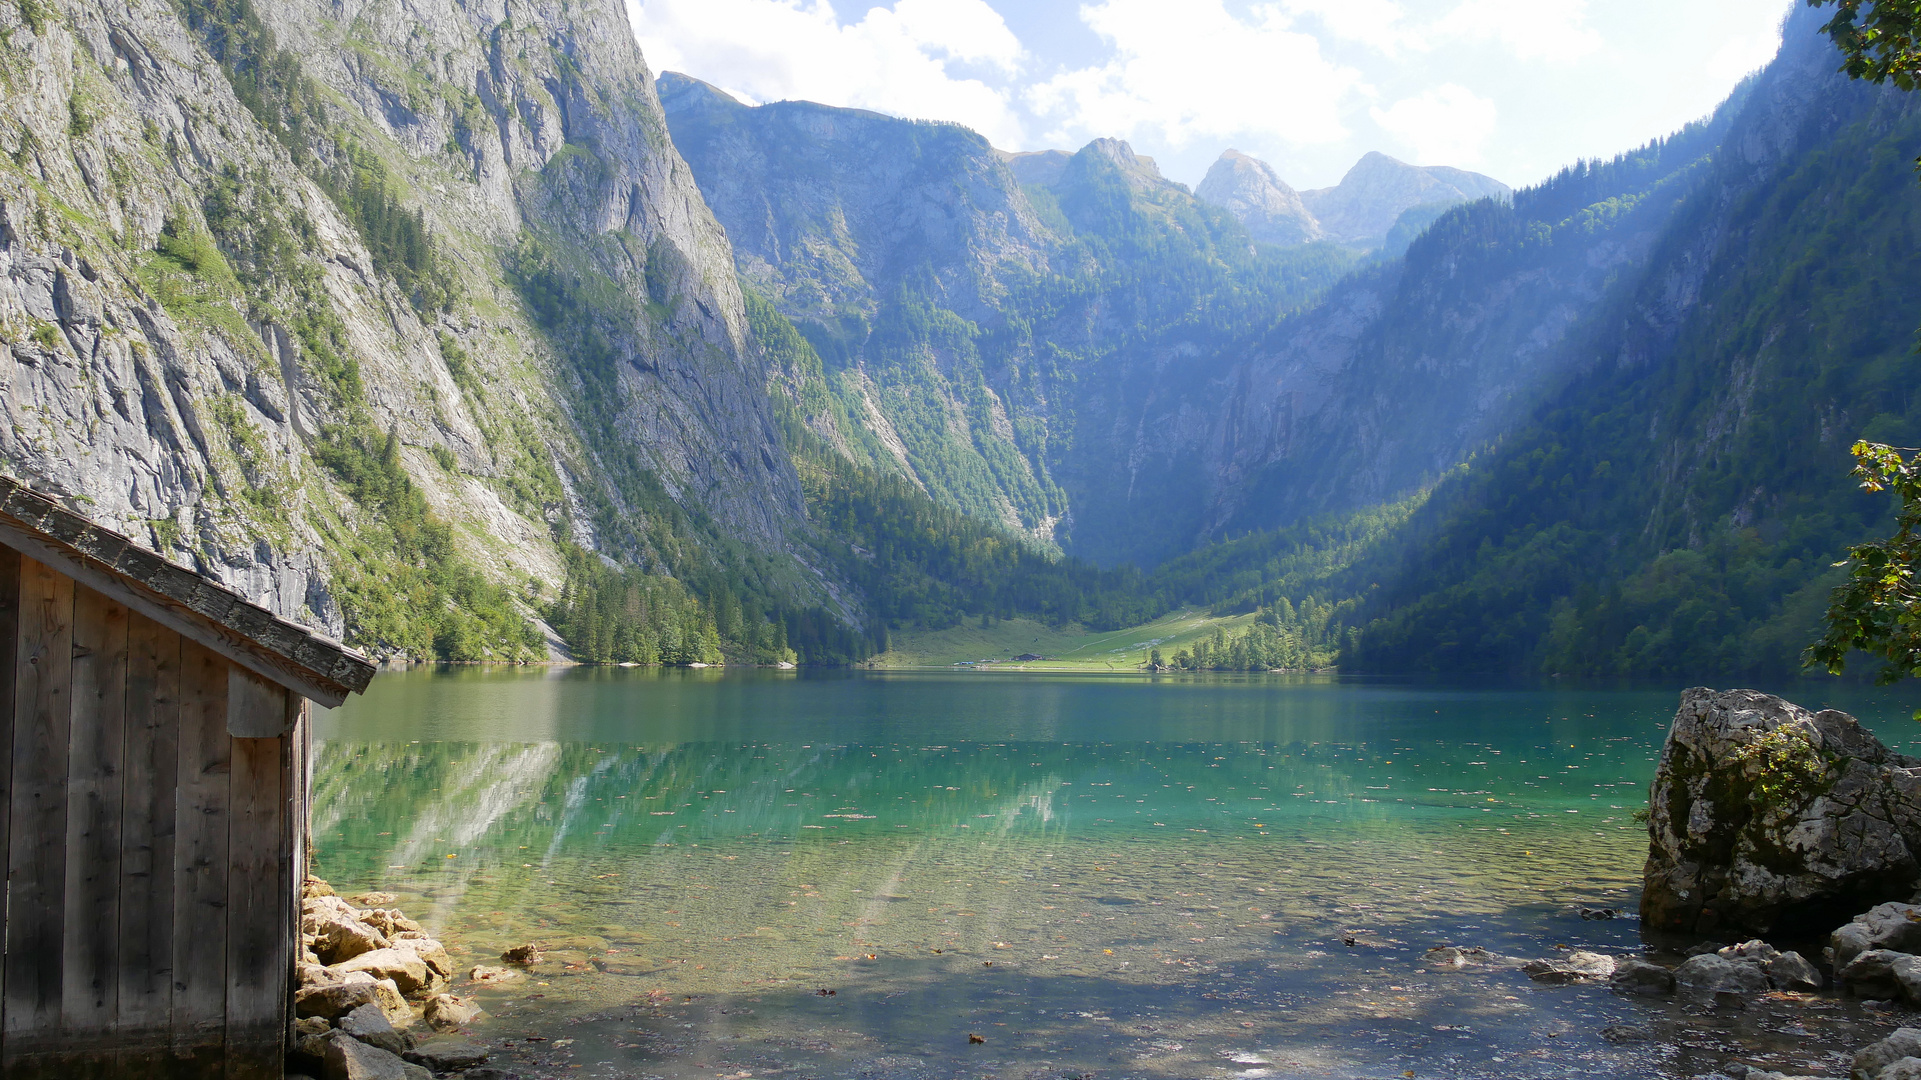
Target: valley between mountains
458,332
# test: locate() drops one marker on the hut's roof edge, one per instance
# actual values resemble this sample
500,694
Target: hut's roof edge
308,663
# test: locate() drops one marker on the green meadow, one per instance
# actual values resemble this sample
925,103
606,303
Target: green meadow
1066,649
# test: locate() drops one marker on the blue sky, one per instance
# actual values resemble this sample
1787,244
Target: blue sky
1512,88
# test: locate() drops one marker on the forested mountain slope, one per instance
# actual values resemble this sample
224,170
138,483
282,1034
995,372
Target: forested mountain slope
1675,505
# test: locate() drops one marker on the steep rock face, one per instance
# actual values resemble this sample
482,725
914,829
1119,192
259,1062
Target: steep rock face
830,209
1379,189
191,317
1765,816
1248,188
892,244
561,133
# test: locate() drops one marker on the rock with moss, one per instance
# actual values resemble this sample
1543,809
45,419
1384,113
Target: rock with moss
1765,816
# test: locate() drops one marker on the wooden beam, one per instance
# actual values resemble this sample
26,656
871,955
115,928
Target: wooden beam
200,862
37,845
9,654
95,776
196,608
152,761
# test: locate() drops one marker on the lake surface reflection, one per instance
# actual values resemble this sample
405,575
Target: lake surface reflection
757,874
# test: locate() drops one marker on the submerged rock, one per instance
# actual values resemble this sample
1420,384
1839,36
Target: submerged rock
445,1012
1885,926
1640,977
1792,971
448,1054
1577,966
1714,973
1764,816
1879,973
1871,1059
1872,974
523,954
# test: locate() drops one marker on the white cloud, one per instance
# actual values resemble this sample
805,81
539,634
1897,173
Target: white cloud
894,60
1377,23
1741,55
1531,29
1177,73
1448,125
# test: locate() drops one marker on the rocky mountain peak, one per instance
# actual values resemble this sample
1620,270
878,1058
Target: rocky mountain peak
1049,168
1141,172
1379,189
688,96
1249,188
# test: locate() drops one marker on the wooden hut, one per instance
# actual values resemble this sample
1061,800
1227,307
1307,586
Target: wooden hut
153,751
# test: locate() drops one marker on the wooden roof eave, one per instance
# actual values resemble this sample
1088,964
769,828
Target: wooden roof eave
307,663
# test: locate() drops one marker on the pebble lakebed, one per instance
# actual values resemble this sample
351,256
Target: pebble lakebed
1154,906
1228,976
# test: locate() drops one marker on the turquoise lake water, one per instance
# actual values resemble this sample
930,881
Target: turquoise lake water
761,874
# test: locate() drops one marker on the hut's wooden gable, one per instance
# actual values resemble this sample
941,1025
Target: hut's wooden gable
152,810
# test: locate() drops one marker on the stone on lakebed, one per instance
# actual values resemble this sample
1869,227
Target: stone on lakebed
1870,1060
1714,973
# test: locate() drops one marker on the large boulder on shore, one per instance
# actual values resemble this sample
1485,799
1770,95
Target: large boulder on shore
1765,816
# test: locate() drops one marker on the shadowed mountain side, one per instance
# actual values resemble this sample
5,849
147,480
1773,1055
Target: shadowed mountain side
1675,508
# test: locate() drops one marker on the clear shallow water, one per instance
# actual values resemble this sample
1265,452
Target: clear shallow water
1210,877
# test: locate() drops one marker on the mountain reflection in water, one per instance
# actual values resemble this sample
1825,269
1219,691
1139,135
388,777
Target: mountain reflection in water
853,875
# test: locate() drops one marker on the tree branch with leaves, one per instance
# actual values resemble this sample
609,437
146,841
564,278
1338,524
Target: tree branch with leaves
1878,37
1878,609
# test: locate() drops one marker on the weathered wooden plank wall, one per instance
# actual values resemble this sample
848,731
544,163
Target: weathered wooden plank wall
146,839
259,865
91,955
200,860
37,847
152,856
9,639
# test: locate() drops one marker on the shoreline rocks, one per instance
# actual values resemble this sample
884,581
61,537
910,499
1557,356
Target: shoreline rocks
1765,816
365,976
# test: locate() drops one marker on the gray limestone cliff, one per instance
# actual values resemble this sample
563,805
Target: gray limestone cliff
1363,210
891,244
1379,189
1248,188
203,326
